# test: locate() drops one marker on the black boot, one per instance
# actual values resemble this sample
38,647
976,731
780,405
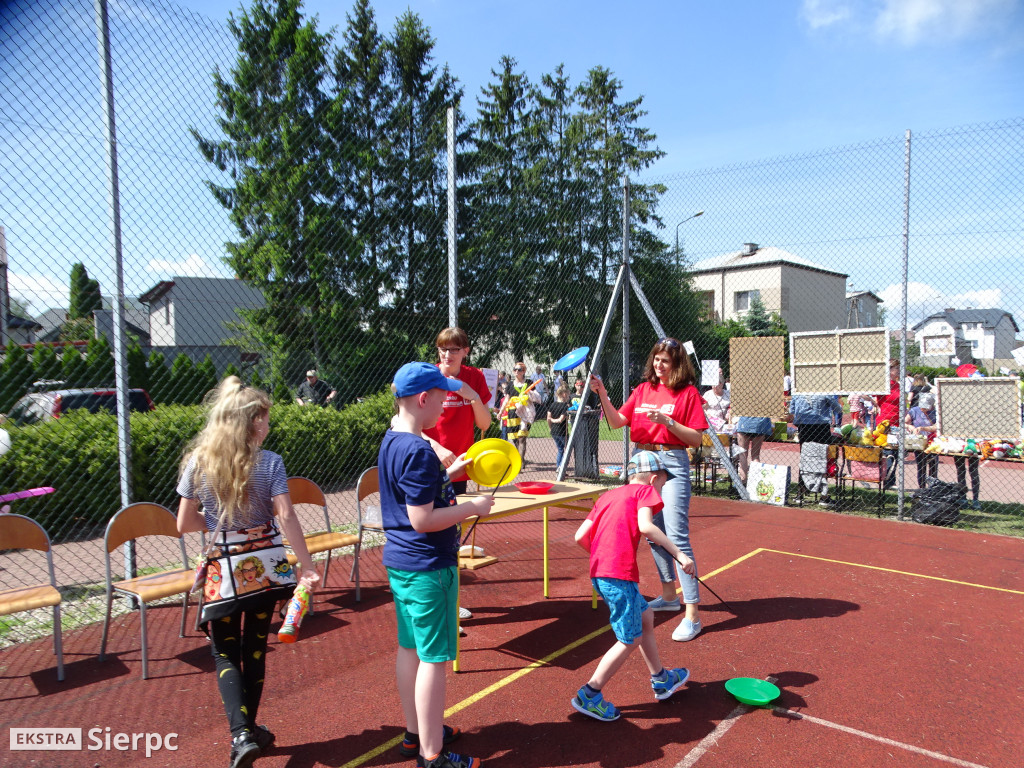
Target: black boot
244,750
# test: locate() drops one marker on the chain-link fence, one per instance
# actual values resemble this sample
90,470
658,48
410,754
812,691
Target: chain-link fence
283,209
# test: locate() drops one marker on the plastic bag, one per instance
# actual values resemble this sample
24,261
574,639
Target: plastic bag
938,503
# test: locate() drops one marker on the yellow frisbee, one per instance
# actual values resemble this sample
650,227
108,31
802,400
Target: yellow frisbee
495,462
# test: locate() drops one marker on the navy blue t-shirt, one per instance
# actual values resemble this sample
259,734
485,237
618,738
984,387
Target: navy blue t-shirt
411,474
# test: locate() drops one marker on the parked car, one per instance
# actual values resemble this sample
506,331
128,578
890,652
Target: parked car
42,406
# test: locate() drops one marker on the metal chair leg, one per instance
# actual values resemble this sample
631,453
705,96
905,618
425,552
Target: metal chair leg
106,627
184,615
58,643
145,654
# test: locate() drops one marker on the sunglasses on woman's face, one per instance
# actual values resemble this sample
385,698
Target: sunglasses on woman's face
670,343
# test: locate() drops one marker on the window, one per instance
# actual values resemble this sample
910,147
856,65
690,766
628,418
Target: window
167,313
938,345
743,299
975,343
707,298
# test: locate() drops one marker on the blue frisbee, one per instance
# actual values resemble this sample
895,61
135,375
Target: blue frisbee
571,360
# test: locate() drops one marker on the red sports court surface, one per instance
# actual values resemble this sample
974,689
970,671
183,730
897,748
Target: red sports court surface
893,643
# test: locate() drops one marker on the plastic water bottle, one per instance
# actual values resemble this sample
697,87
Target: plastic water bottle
298,607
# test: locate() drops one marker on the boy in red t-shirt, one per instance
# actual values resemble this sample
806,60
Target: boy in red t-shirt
611,534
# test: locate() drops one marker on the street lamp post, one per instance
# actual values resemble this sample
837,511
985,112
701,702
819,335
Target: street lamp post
694,216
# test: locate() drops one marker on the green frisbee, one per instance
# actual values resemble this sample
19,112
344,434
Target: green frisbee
750,690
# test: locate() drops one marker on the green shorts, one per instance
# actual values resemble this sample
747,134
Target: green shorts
426,604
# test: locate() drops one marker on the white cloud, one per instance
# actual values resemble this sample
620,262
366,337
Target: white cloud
38,292
193,265
824,13
924,299
911,21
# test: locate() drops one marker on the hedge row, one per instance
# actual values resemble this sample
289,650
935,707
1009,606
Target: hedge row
77,454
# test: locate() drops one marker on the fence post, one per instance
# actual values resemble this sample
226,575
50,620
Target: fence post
114,204
901,454
625,313
453,268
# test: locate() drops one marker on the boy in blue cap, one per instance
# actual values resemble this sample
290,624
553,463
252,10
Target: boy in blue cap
421,520
611,534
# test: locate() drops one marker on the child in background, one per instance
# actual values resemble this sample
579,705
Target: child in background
421,520
558,414
611,534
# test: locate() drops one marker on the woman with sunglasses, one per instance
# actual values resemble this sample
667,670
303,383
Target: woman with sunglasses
665,413
463,410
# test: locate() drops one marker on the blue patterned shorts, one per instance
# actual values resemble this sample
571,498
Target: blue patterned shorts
626,605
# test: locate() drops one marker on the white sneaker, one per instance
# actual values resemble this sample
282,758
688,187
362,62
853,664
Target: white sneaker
687,630
661,604
464,613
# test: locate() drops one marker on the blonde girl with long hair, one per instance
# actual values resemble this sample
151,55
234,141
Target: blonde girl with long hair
229,485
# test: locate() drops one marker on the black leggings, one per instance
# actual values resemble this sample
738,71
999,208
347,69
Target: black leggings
240,653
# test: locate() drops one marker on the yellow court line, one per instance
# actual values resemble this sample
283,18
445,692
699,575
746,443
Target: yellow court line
509,679
893,570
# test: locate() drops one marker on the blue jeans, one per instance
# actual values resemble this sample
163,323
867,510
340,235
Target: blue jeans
674,520
559,448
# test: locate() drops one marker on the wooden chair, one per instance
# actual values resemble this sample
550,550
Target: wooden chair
135,522
367,486
831,459
20,532
863,464
305,491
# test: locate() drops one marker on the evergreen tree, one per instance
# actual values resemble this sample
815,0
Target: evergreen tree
612,144
138,373
84,294
159,378
273,111
99,363
757,320
358,124
206,375
232,370
415,168
503,255
73,368
185,385
45,363
15,375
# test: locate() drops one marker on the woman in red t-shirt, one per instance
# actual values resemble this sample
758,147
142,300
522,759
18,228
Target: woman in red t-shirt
463,410
666,414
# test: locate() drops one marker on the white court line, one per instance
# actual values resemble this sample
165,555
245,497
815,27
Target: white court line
712,738
723,727
730,720
880,739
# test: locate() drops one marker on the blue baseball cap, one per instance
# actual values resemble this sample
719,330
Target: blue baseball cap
413,378
644,461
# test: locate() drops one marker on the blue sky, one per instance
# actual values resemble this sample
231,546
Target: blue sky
731,81
724,83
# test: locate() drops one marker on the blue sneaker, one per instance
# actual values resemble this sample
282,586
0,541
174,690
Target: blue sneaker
674,680
595,707
661,604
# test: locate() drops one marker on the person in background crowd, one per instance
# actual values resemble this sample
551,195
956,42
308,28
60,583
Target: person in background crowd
751,432
717,405
314,390
520,417
920,385
921,421
557,416
585,445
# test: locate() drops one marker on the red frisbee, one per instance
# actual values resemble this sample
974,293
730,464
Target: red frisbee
536,488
